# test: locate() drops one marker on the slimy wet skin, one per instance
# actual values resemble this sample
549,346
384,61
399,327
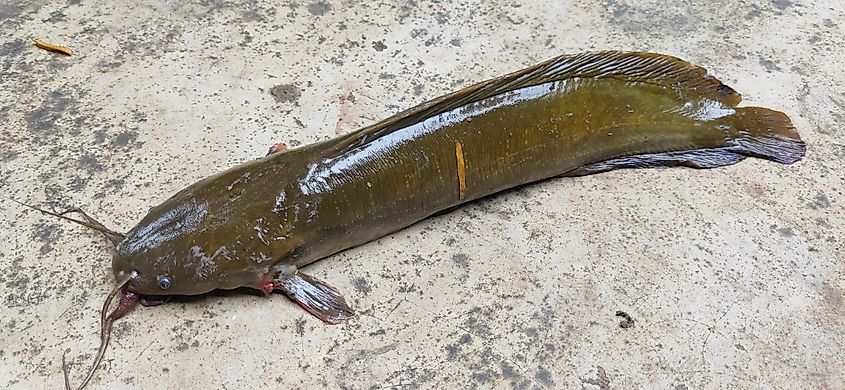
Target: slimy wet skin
258,224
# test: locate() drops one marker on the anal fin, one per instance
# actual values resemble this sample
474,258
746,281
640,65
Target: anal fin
315,296
697,158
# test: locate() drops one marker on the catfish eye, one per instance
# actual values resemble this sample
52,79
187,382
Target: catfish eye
164,282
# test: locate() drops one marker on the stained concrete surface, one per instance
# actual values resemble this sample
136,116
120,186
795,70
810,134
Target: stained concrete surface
734,276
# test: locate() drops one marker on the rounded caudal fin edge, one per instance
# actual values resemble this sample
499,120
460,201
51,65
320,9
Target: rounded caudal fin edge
767,134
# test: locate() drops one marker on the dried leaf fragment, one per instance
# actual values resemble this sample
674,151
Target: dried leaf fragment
51,47
280,147
462,176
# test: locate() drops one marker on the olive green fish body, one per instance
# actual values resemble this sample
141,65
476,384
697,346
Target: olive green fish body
256,224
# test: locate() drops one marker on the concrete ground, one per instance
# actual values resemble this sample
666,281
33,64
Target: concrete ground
734,276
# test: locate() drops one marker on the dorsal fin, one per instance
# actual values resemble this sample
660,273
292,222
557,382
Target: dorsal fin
685,78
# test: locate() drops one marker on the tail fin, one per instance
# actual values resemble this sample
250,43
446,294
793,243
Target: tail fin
754,132
767,134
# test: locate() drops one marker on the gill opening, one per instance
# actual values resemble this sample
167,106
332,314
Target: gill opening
128,300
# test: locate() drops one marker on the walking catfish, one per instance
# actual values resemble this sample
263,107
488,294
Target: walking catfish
259,223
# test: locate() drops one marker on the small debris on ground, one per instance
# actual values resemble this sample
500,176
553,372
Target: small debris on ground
286,93
627,320
42,44
277,148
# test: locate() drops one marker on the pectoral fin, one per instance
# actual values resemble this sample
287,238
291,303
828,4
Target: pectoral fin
315,296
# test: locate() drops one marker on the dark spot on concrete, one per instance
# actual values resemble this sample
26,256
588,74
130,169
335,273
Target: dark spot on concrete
833,297
47,234
456,42
829,23
300,327
286,93
44,119
12,48
417,259
77,183
820,202
122,328
116,184
418,89
379,45
482,377
361,285
840,151
782,4
56,16
753,13
799,70
618,9
18,282
247,39
125,138
99,137
739,347
461,259
630,19
476,321
441,17
319,8
407,289
769,65
89,163
465,339
405,10
785,232
182,347
8,155
508,371
418,32
544,376
10,13
452,351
